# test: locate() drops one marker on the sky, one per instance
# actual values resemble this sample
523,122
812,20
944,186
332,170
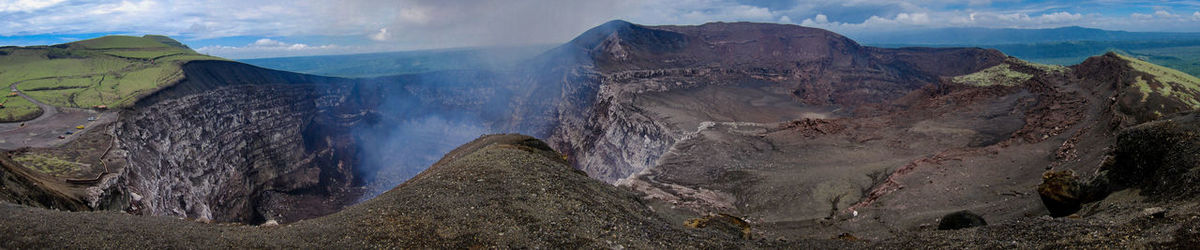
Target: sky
262,28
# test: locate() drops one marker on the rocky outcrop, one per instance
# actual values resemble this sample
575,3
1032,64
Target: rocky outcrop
1145,92
239,153
614,136
884,133
622,141
499,191
799,132
1060,191
21,185
234,142
1159,158
511,191
960,220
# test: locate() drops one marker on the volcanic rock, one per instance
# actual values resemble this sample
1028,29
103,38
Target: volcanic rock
529,197
960,220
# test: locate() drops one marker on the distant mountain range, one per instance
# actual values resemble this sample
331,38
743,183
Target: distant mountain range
987,36
1061,46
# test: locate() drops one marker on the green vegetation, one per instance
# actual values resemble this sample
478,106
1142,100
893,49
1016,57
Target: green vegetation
1184,58
188,57
165,40
110,70
996,75
59,83
120,42
1165,82
145,54
1004,74
18,109
46,163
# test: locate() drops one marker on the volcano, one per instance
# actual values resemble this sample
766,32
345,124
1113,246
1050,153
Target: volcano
725,135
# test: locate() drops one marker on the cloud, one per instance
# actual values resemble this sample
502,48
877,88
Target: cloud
266,47
27,5
415,14
948,19
269,44
914,18
1159,14
821,18
382,35
1165,14
785,19
1061,17
428,24
901,19
124,7
1022,18
694,12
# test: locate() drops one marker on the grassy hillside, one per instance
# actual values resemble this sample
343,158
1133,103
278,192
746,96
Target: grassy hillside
1165,82
110,70
18,109
1004,74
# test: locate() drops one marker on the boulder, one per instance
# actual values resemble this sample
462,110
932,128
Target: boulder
1060,192
960,220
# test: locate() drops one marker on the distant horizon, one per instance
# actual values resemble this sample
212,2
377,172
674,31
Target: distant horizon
271,28
483,47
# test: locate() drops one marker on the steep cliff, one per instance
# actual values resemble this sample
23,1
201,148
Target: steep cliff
506,191
809,134
792,132
613,132
512,191
234,142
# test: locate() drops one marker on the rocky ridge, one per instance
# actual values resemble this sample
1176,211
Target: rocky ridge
799,133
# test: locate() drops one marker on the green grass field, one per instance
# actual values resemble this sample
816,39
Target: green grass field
47,163
121,42
110,70
145,54
18,109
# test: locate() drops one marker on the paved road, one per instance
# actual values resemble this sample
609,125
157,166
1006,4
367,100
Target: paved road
47,110
44,130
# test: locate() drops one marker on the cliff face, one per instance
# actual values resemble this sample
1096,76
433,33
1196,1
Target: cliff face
499,191
239,143
629,119
801,132
791,126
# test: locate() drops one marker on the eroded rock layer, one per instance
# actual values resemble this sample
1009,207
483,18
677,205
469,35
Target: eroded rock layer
234,142
660,82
